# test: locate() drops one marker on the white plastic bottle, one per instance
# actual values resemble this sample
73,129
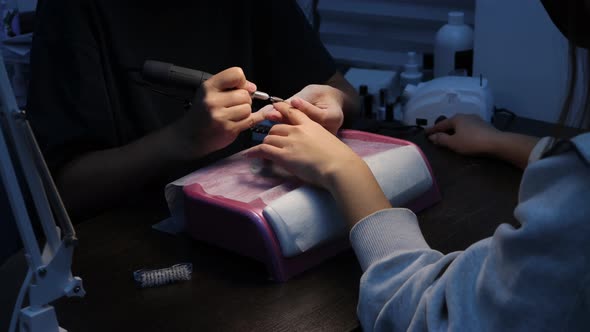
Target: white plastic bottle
453,46
411,74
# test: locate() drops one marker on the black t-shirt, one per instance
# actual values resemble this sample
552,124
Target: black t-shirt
86,92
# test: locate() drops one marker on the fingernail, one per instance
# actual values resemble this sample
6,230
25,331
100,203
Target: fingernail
266,109
251,87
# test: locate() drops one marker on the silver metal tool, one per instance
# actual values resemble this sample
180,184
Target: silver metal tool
265,96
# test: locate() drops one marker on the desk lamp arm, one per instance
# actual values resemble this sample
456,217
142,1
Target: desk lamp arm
50,267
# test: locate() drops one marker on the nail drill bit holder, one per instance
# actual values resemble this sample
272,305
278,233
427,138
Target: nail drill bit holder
430,102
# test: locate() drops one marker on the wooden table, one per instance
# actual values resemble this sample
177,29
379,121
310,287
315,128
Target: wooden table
232,293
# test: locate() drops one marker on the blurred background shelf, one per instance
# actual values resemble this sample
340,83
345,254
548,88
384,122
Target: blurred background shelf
379,33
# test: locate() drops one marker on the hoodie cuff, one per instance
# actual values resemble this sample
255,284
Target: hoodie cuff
384,232
542,146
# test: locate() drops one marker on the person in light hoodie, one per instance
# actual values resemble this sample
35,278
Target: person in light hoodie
532,278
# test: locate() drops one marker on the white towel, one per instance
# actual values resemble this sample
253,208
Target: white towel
308,216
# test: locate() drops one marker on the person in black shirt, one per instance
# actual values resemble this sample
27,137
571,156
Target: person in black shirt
107,134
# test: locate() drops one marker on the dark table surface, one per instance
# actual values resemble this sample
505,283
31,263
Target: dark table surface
232,293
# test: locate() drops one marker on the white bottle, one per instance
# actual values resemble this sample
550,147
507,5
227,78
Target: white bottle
411,74
453,46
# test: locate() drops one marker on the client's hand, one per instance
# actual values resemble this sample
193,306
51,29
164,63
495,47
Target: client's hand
321,103
466,134
310,152
304,148
222,109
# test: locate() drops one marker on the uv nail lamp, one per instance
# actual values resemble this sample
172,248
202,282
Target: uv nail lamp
429,102
286,224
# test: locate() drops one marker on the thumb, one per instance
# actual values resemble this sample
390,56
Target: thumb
231,78
271,114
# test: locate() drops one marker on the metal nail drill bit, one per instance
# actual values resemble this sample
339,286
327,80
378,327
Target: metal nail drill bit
265,96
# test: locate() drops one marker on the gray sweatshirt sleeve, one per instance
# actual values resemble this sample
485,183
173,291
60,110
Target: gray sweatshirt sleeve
532,278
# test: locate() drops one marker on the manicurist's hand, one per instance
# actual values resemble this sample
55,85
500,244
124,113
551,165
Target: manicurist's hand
222,109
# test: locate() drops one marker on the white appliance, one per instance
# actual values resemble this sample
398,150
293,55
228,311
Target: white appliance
432,101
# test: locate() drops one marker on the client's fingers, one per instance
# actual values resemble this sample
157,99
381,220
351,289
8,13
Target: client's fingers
442,139
274,140
279,130
252,120
271,114
291,114
265,151
443,126
312,111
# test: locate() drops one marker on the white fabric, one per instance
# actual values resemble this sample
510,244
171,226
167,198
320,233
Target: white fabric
308,216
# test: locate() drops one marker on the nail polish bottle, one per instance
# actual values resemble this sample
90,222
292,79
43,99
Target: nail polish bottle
382,103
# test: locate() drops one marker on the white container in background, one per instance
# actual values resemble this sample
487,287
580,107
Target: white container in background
453,47
411,74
